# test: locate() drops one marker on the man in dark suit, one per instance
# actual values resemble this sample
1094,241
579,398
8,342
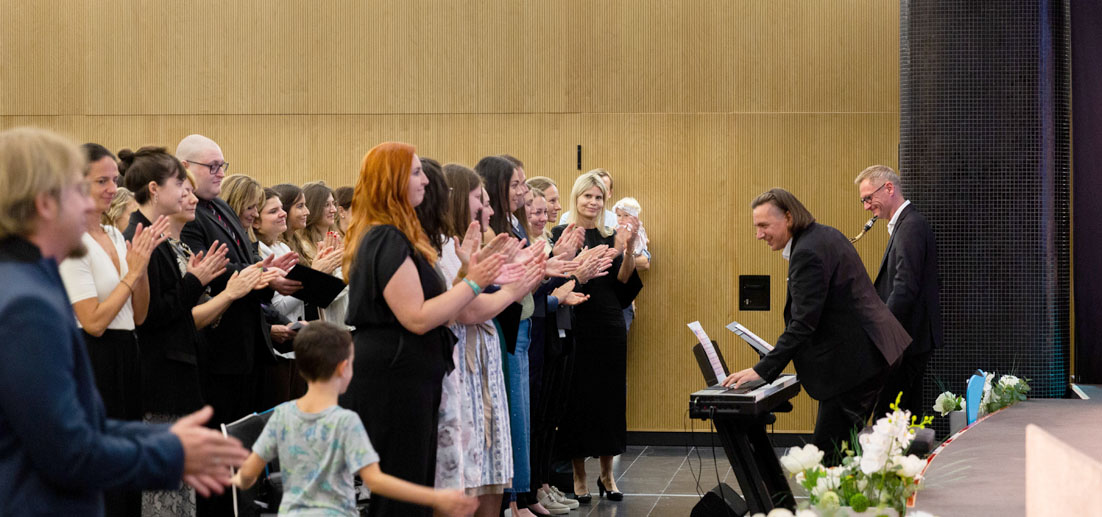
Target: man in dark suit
840,336
238,346
237,349
907,282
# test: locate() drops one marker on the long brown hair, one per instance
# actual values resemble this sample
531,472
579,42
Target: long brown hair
461,180
289,194
317,194
381,198
784,200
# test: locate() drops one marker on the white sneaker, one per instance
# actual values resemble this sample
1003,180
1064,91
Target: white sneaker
557,496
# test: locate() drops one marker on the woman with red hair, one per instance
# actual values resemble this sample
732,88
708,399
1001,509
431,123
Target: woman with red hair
400,308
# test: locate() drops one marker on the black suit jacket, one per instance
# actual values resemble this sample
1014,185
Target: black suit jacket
908,280
838,332
167,338
240,338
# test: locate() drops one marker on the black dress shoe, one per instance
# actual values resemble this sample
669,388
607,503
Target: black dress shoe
612,494
583,498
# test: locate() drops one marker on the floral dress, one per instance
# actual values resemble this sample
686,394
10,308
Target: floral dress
474,448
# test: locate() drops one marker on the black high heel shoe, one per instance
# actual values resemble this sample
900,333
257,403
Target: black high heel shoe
613,495
583,498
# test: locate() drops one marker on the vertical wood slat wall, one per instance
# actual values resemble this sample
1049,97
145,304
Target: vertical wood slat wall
695,107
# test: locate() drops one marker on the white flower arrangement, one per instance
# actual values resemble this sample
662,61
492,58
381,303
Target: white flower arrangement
997,394
947,403
876,475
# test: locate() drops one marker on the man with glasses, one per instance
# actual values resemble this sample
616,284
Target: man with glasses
238,346
907,282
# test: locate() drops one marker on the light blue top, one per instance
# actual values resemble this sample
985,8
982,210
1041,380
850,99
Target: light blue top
319,453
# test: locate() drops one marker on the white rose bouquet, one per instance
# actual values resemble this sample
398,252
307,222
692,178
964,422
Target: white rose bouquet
875,475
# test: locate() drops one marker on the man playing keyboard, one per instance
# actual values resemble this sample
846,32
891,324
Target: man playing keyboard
838,333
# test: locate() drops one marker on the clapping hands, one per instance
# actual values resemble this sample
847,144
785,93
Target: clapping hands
209,264
569,242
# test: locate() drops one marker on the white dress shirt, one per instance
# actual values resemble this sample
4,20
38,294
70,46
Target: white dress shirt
895,216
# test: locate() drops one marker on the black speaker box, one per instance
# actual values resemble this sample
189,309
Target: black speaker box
722,501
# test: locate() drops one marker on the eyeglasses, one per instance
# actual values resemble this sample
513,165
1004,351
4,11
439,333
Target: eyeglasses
868,198
225,166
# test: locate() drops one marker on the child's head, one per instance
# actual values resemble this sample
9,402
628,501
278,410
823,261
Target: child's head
323,351
625,207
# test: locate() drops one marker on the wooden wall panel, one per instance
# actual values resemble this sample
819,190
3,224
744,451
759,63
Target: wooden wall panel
124,57
695,107
824,56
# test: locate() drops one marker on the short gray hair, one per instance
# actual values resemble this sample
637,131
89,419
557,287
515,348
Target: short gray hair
883,173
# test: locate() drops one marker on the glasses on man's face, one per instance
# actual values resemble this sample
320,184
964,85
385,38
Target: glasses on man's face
868,198
225,166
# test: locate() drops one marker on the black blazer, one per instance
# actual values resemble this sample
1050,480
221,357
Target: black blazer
837,330
167,338
240,338
908,280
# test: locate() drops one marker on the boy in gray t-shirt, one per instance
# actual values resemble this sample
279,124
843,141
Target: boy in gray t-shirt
321,445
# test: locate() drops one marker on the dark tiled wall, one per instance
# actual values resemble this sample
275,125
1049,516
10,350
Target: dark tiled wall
985,154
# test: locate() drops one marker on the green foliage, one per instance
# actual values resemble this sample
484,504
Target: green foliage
859,502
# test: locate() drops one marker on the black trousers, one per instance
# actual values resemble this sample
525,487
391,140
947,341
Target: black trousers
116,366
843,415
548,395
906,378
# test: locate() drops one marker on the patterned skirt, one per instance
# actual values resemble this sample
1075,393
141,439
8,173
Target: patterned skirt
474,446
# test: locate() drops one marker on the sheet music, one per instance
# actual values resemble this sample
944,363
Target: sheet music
758,343
710,351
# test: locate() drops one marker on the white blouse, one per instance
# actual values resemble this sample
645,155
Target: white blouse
289,306
94,275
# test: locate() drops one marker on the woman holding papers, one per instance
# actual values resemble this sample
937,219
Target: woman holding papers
600,369
323,244
268,228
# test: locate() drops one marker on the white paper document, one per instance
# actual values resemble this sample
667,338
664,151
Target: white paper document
759,344
709,350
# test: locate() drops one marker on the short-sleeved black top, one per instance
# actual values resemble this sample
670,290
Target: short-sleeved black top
381,252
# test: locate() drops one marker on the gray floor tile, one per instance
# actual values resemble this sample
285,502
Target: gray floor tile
673,506
631,506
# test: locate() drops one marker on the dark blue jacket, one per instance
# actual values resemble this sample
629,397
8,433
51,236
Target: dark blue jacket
58,451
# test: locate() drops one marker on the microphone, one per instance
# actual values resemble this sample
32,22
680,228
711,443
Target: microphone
868,226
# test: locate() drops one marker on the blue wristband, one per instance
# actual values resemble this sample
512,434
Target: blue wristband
474,287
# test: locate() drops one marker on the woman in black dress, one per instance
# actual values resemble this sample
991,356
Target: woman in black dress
600,368
400,309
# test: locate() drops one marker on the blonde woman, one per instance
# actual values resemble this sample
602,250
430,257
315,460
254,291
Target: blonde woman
600,368
244,196
122,205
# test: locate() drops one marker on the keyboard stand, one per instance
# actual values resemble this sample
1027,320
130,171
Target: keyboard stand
740,421
755,464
